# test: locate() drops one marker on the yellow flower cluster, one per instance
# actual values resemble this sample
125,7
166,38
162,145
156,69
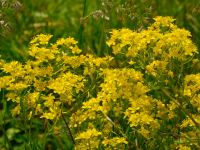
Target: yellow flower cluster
163,39
113,142
192,84
89,139
114,106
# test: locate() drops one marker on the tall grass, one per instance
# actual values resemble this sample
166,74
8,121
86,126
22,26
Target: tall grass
62,19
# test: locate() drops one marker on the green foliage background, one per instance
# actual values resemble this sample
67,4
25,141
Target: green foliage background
61,18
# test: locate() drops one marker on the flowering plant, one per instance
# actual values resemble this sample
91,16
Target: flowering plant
104,106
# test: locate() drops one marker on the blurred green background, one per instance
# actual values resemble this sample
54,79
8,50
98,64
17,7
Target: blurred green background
61,18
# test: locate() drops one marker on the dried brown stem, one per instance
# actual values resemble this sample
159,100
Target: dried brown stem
68,128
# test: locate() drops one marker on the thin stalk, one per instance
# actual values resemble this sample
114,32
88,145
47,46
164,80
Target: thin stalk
120,131
6,137
81,28
101,37
127,146
44,141
89,144
138,142
72,111
4,111
46,133
196,124
177,83
1,31
24,117
36,129
31,122
68,128
29,138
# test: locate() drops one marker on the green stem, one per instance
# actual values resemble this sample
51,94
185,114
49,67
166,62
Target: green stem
196,124
44,141
24,117
6,137
1,34
81,28
89,144
120,131
4,111
177,83
101,37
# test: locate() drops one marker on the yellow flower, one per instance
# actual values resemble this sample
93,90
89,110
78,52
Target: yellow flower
90,133
182,147
170,73
144,132
16,110
118,110
43,39
56,129
195,61
131,62
30,115
166,81
76,50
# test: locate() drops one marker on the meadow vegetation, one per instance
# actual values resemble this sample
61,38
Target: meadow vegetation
100,75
